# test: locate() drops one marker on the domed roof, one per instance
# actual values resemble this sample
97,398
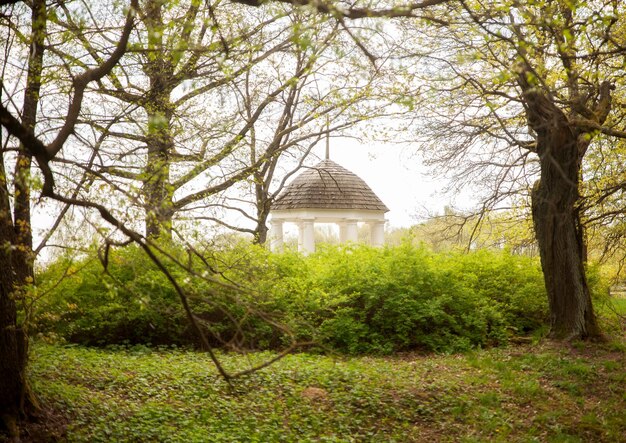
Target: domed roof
328,186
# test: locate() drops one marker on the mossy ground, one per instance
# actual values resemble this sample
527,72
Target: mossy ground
545,392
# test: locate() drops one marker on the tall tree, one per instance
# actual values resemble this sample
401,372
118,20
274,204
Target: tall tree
15,232
16,254
528,88
175,111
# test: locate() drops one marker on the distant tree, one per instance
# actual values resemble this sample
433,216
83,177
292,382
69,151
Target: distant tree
605,212
510,229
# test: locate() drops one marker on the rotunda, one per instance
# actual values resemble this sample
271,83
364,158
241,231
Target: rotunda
327,193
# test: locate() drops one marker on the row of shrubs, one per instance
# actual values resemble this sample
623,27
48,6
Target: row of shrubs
354,299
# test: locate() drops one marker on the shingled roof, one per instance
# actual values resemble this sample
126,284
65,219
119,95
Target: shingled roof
328,186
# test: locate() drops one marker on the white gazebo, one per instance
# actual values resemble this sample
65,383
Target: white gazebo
327,193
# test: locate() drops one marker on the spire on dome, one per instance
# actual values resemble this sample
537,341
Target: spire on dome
327,139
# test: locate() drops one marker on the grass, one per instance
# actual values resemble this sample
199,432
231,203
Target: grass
535,393
612,314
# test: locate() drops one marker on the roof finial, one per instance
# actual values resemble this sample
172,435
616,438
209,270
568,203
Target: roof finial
327,138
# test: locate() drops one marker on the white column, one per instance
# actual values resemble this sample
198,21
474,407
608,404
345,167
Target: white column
276,236
300,236
352,231
343,232
307,234
377,233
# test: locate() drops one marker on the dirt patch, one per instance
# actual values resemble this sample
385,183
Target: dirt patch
315,394
50,426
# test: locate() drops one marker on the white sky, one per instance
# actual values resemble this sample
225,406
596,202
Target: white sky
395,174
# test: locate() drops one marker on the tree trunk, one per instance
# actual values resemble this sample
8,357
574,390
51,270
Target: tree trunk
158,199
263,206
23,258
13,361
260,231
559,233
12,340
16,254
160,71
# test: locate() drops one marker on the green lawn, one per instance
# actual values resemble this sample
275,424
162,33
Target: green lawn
542,393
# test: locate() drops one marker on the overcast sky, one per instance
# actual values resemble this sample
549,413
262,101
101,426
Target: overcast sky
395,174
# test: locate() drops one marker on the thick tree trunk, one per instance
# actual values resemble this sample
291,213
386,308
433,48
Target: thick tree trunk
13,361
559,233
160,71
559,239
12,340
561,147
16,254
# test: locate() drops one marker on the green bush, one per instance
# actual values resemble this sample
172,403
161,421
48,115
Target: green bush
406,298
354,299
133,302
512,283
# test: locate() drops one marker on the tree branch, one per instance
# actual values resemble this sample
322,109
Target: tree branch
82,80
406,10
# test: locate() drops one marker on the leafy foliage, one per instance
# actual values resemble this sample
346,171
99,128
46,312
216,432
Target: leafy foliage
131,302
352,299
406,297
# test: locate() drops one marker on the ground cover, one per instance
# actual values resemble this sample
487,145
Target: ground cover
539,392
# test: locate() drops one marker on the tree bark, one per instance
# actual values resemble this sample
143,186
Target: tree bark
557,222
16,254
263,206
160,71
260,231
16,400
23,258
158,198
557,228
12,360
